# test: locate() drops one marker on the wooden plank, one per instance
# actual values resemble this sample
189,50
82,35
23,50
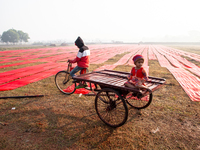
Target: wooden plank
116,80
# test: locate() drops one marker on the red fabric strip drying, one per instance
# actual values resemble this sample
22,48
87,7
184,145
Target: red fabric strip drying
30,79
17,64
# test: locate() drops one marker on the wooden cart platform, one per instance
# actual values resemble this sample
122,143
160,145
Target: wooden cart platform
116,79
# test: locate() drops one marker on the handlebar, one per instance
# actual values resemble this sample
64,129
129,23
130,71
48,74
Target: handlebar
69,66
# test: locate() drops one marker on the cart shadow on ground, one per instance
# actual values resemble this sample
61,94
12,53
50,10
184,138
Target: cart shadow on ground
63,127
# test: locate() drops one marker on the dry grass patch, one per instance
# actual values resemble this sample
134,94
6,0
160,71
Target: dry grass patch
58,121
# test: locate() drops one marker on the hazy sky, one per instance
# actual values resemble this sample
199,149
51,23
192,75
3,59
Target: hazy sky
104,20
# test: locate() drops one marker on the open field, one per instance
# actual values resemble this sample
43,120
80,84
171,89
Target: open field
58,121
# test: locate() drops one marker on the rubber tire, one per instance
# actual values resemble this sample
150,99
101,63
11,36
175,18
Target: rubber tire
60,77
103,105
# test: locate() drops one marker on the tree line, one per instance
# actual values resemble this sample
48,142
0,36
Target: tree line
14,36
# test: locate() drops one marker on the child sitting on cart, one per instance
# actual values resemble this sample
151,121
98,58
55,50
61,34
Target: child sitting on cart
82,59
138,75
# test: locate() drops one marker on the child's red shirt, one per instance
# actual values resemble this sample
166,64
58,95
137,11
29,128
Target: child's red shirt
138,76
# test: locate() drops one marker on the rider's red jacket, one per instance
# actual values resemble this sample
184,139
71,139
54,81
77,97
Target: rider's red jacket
83,56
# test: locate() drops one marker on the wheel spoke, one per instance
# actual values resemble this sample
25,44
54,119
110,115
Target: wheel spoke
138,103
111,109
64,83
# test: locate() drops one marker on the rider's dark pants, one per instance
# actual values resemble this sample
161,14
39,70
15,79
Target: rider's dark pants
75,70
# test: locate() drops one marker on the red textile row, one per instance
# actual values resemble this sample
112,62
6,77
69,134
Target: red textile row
126,57
161,59
188,54
28,55
18,77
138,50
151,53
17,64
107,54
181,62
122,60
25,69
28,72
188,81
30,79
110,67
145,55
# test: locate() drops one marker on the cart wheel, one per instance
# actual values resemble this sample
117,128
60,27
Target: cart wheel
64,83
111,107
137,102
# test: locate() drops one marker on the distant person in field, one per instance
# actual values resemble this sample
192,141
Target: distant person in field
138,75
83,57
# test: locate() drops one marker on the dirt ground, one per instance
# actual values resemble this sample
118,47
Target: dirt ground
59,121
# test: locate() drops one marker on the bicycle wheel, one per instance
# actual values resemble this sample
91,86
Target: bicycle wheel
111,107
138,103
64,83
